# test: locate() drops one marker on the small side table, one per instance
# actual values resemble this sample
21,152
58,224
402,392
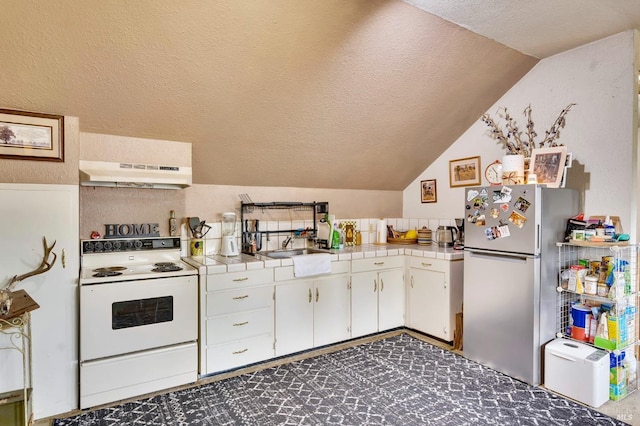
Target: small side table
17,325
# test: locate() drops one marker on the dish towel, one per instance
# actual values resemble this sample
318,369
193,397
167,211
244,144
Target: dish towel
311,264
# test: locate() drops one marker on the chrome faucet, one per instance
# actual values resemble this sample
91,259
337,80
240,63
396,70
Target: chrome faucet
286,242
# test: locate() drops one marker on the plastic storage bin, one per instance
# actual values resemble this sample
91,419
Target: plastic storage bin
578,371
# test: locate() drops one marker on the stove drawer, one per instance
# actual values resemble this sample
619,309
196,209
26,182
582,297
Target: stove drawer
239,279
240,353
239,326
233,301
113,379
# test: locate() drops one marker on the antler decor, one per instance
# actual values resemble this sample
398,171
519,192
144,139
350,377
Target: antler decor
6,296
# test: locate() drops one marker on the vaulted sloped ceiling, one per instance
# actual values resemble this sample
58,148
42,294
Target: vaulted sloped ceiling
359,94
539,28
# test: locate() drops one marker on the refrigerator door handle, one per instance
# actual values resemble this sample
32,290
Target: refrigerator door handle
538,238
514,257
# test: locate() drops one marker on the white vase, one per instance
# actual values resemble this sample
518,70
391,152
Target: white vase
513,169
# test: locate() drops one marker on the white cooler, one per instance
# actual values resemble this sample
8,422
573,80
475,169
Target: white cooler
577,370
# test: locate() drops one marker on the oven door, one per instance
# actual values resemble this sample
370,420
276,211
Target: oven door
123,317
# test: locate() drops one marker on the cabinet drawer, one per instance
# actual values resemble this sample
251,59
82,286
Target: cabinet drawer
239,279
377,263
285,273
430,264
239,353
234,301
239,326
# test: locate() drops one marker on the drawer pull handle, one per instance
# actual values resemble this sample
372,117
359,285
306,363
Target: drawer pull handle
425,264
240,352
310,296
317,295
375,285
238,324
241,297
411,281
379,263
240,279
381,284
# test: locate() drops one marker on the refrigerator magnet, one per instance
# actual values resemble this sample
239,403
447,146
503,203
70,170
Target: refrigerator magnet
522,205
517,219
495,213
495,232
504,231
472,194
480,203
501,197
490,235
480,220
504,207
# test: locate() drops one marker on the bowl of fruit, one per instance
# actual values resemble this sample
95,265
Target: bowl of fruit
402,237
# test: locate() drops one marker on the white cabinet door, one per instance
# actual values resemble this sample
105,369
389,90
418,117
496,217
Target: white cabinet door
390,299
30,212
294,316
428,302
364,303
331,310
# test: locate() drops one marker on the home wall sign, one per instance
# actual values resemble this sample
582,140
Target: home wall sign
124,230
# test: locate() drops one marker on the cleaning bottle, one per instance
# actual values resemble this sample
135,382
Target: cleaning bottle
335,242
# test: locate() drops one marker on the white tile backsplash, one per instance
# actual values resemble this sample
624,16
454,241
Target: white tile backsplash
366,226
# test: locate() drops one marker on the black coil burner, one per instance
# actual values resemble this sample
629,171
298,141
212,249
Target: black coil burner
166,267
111,271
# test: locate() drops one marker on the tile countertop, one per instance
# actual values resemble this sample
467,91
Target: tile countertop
215,264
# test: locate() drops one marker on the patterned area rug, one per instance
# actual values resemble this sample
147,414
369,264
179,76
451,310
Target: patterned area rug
394,381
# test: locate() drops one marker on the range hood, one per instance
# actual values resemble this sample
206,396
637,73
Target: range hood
134,175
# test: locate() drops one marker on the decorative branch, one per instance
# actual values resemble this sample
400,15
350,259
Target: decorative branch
554,132
513,140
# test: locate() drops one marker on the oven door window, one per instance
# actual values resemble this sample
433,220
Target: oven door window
135,313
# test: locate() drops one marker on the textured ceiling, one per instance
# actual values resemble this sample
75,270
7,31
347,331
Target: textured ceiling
359,94
539,28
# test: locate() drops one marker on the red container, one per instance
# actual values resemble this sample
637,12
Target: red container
578,333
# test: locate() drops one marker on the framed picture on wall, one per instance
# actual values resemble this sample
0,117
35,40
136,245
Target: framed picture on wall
548,165
464,172
428,191
31,136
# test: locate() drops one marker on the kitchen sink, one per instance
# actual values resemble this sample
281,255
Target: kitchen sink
284,254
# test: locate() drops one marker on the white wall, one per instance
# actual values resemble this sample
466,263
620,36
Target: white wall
601,130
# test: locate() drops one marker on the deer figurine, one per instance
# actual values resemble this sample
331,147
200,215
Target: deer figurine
6,294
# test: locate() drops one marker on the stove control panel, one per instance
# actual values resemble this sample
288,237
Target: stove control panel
129,244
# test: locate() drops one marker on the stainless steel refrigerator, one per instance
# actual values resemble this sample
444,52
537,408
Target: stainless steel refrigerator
510,274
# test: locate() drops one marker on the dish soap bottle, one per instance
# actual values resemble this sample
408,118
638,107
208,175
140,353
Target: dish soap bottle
335,237
173,226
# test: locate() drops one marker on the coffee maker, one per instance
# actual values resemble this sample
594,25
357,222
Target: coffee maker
459,243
